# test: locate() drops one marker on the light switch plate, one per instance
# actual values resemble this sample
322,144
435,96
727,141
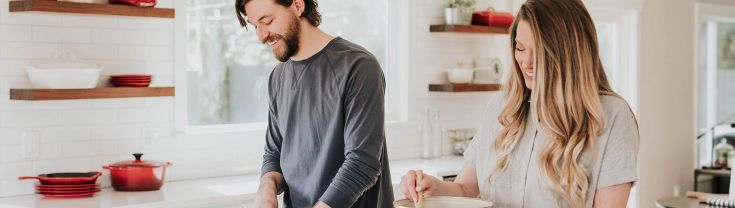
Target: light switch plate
31,144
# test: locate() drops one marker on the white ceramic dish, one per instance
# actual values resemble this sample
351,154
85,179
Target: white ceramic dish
445,202
64,71
63,78
460,76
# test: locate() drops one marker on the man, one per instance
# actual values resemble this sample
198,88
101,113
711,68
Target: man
325,143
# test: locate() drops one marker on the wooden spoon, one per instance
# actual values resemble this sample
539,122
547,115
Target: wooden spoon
420,200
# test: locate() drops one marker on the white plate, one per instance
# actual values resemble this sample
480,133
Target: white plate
446,202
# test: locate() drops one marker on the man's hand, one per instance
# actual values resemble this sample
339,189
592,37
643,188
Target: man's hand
268,190
321,204
266,199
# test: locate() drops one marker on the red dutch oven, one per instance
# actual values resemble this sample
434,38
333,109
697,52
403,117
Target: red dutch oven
137,175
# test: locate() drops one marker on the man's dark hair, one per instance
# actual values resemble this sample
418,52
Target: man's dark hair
311,12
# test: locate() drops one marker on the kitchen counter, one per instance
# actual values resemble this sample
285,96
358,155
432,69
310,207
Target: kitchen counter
221,192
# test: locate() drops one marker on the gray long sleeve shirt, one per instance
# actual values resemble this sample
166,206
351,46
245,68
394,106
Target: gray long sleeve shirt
326,129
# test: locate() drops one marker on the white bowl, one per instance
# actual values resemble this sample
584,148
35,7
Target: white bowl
81,78
460,76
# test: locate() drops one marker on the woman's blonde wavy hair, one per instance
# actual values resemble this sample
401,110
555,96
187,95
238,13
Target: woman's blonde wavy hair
569,80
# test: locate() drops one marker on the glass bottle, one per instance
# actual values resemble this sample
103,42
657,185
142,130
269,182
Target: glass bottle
437,136
427,146
723,152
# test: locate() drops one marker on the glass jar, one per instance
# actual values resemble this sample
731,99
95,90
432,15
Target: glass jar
723,151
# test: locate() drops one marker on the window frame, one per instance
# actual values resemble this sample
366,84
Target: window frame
397,46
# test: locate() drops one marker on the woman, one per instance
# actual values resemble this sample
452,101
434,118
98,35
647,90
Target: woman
559,135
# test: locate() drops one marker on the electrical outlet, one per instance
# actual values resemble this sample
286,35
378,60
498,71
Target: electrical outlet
31,144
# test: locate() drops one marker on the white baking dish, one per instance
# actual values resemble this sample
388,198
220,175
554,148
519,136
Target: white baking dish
63,78
64,73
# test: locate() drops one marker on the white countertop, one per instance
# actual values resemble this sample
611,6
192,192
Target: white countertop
221,192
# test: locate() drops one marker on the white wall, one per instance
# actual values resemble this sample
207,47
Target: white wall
667,99
82,135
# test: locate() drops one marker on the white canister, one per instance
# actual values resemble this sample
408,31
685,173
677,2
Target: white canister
451,16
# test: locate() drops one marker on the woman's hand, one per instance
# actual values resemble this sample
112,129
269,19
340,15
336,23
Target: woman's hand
411,187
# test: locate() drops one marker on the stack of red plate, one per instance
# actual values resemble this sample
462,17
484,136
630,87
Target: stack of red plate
131,80
66,185
67,191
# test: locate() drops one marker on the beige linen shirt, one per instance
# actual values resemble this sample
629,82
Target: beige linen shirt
612,161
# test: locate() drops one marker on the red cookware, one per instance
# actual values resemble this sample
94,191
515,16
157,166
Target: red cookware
65,178
490,17
137,175
138,3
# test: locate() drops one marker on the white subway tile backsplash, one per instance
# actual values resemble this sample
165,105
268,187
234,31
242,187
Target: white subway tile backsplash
61,34
6,104
59,104
89,148
160,102
116,132
117,36
135,23
11,153
22,50
10,137
145,115
89,21
28,18
160,24
52,151
77,117
63,165
118,103
122,67
146,53
65,134
30,119
14,67
159,68
93,51
159,37
13,170
15,33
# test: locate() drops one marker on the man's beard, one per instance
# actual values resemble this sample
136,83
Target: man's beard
291,39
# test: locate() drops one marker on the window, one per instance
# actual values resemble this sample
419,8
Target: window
228,68
716,85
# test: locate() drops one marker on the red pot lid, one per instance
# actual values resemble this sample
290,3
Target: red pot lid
137,162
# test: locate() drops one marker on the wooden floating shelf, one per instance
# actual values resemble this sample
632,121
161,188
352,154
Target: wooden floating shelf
96,93
88,8
469,29
464,87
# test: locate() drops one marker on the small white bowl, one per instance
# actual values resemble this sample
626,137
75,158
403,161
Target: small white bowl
460,76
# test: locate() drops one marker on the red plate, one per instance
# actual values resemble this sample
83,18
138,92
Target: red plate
132,85
68,189
68,192
124,81
131,79
130,76
84,195
68,186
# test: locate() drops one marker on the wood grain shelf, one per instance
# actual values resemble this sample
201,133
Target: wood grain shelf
96,93
464,87
469,29
88,8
